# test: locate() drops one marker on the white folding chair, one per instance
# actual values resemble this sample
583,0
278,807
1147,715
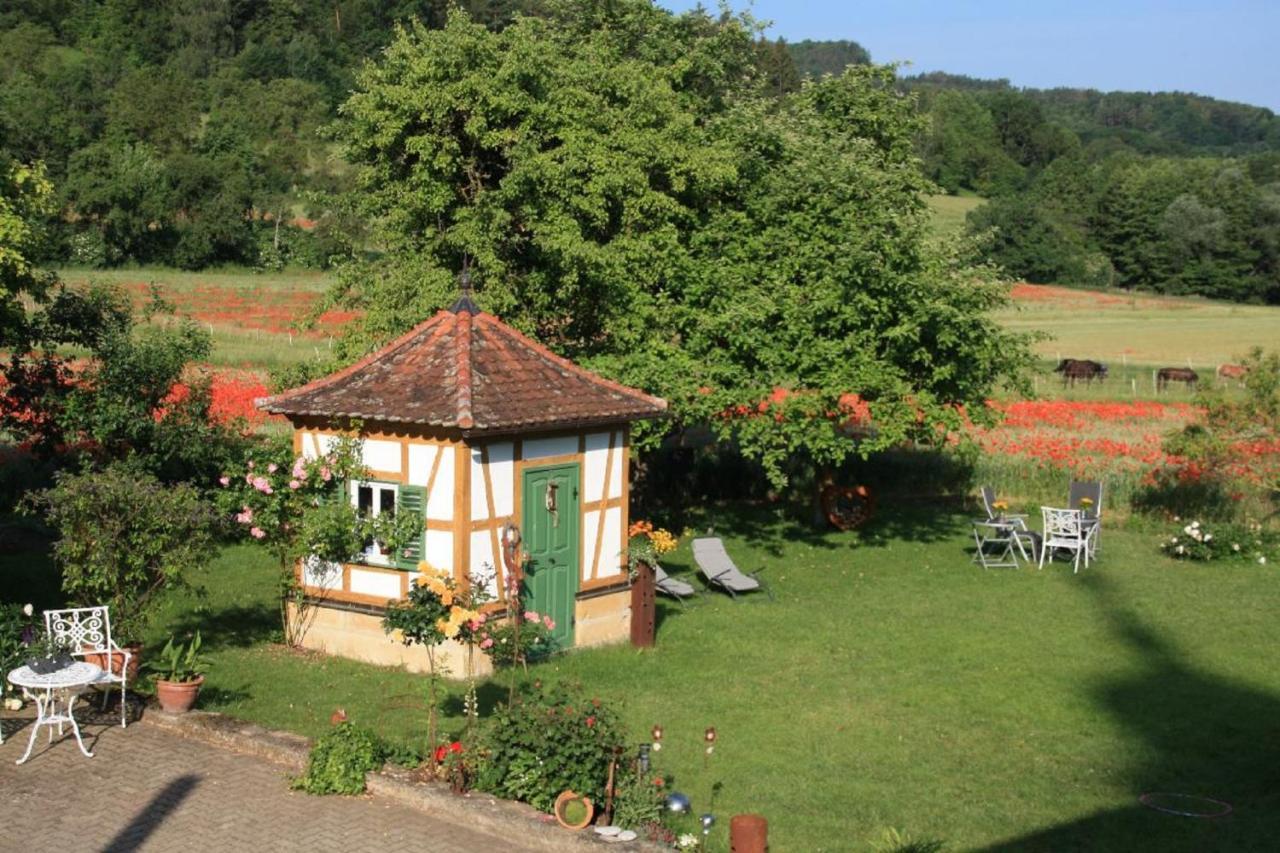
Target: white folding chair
1001,535
1065,529
87,630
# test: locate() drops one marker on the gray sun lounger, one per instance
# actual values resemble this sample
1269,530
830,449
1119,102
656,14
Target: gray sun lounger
715,564
667,585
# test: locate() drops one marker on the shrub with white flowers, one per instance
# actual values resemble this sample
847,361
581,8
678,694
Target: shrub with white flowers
1247,542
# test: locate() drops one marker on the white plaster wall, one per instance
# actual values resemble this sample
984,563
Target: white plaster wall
421,457
611,548
325,443
594,464
321,575
502,473
590,531
440,498
538,448
381,455
615,476
482,561
439,551
380,584
479,497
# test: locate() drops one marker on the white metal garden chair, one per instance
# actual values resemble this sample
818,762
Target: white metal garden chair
1086,495
87,630
1065,529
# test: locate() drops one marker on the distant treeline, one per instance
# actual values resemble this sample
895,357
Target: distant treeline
1167,191
192,133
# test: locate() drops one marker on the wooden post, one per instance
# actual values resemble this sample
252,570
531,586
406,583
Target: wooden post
643,616
748,833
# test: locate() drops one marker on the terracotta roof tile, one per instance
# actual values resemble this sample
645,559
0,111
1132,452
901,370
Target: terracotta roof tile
467,370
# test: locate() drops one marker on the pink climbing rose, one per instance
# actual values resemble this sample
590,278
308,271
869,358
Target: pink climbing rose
225,481
257,533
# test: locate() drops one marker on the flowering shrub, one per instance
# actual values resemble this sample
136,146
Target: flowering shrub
508,643
1197,541
17,634
548,740
647,543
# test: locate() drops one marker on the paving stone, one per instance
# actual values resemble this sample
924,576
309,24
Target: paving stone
150,790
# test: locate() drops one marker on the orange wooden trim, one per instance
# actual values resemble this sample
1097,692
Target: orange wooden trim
346,579
385,476
404,584
438,524
431,478
297,444
604,494
620,581
548,461
353,597
404,459
499,570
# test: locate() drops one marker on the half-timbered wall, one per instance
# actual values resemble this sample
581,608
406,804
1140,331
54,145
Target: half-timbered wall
472,490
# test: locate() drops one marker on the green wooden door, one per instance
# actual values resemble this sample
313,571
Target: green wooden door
550,514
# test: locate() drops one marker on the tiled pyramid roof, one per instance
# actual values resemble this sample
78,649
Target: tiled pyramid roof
465,369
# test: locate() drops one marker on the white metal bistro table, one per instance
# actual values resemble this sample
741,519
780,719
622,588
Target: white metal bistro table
50,691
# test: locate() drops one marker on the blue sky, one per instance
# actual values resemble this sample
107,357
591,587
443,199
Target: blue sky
1228,49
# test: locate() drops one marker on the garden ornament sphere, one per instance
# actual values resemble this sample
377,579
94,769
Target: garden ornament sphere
677,802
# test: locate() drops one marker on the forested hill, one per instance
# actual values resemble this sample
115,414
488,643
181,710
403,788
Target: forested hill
175,130
193,133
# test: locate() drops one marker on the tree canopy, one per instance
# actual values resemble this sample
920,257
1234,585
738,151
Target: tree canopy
624,189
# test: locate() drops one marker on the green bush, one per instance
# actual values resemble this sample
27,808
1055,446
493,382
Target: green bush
547,741
339,760
123,536
1203,543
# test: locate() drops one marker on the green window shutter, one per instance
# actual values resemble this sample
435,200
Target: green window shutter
413,499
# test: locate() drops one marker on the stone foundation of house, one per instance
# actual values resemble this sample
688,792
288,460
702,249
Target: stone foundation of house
356,633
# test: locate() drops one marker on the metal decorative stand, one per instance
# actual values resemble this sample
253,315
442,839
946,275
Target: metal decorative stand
48,692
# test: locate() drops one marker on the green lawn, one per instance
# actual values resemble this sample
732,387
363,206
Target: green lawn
891,684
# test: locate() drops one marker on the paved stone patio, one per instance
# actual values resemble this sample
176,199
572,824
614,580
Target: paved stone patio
146,789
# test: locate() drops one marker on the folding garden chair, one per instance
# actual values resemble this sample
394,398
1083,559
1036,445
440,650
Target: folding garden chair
990,533
1086,496
87,631
1065,529
667,585
1016,523
715,564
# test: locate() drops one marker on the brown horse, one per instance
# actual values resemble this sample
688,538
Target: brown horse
1186,375
1080,368
1232,373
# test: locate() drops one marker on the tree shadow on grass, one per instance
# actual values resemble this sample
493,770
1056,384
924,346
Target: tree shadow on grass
234,626
1205,736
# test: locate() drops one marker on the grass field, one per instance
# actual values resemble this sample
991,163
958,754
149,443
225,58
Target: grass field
1153,331
252,316
891,684
949,212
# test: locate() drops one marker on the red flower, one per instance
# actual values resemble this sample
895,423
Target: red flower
591,721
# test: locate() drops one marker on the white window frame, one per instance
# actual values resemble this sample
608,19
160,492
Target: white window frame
374,555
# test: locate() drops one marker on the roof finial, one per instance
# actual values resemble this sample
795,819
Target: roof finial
464,301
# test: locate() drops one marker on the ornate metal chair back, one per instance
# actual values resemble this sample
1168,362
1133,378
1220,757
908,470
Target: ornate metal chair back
87,630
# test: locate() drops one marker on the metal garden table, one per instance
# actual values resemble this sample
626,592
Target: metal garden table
50,691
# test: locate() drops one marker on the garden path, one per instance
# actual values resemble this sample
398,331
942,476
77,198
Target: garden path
149,790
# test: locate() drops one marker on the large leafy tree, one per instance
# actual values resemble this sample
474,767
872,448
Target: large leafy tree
625,190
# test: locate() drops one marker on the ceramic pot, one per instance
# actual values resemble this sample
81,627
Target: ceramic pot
177,697
99,659
573,811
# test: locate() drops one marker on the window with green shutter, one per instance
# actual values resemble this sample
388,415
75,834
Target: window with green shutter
413,499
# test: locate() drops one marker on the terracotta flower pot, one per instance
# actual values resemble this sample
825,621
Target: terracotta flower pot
573,811
117,661
177,697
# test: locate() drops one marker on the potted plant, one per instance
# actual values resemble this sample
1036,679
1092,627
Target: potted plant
573,811
48,655
179,674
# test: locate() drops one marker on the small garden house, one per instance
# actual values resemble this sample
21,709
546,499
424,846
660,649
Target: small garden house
475,426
